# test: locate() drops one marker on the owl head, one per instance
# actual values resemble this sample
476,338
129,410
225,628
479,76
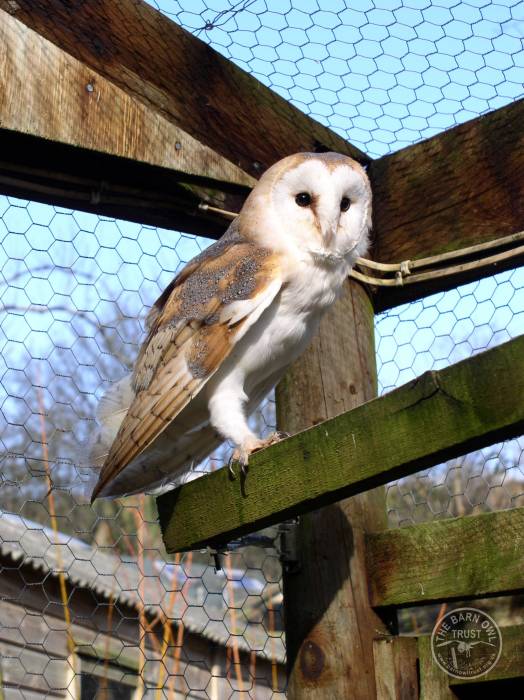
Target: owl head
312,204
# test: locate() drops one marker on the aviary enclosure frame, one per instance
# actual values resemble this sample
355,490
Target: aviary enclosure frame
93,119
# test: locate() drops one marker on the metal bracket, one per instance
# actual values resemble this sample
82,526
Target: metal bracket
254,540
288,546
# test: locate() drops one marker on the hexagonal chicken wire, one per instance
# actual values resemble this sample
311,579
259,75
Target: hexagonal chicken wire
89,602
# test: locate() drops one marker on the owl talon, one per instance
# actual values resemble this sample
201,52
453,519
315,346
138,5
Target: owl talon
241,454
230,468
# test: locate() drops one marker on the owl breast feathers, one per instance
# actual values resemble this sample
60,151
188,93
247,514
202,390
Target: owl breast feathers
224,331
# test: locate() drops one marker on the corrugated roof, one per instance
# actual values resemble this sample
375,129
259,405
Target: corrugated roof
117,576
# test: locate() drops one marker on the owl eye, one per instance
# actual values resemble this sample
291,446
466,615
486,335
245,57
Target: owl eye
345,203
303,199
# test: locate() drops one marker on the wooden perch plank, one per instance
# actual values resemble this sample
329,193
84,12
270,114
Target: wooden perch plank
190,84
472,556
462,187
438,416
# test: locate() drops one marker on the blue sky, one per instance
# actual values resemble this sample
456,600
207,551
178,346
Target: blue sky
382,73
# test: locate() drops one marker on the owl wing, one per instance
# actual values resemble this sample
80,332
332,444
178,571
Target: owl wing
192,329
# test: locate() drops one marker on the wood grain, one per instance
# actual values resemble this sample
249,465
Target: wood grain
509,664
47,93
191,85
434,683
70,137
458,558
396,668
467,406
330,625
462,187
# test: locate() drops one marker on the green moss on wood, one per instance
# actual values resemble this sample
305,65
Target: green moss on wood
509,665
438,416
464,557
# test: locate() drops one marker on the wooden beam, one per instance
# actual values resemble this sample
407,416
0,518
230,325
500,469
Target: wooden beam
467,406
195,88
472,556
90,144
46,92
462,187
77,178
330,625
509,664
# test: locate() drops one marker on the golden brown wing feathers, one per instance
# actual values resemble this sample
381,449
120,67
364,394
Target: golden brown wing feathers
190,333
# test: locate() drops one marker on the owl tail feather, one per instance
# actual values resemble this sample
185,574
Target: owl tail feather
115,402
110,413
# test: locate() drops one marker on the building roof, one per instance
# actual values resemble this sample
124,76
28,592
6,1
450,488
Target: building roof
201,600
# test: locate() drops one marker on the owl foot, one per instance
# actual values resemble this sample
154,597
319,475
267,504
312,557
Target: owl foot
272,439
277,436
242,453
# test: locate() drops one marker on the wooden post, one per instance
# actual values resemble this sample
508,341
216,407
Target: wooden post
330,625
396,659
434,683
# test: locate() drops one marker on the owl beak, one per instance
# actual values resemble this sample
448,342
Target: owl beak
329,234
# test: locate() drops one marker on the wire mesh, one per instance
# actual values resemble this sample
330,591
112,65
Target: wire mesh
381,73
75,291
90,606
430,334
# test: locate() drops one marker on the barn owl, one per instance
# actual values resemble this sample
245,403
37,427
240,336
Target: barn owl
224,331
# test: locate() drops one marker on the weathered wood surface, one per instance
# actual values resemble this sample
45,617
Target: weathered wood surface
121,152
466,557
437,685
438,416
396,668
456,189
191,85
330,625
434,683
47,93
510,663
78,178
